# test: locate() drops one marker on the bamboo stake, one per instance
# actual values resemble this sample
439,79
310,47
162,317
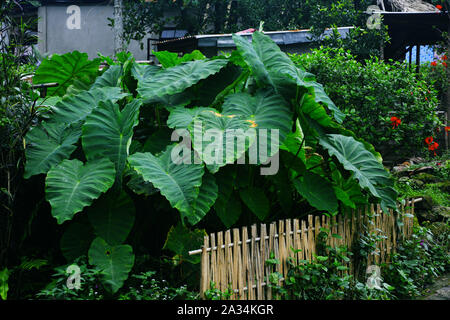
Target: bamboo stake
277,254
228,261
221,263
305,241
245,266
312,244
251,261
271,249
205,268
282,247
237,274
264,257
296,242
214,272
258,265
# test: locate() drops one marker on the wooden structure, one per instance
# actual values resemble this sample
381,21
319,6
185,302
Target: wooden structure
236,259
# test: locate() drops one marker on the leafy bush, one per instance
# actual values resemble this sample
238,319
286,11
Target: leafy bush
417,263
143,286
107,140
321,279
326,277
371,93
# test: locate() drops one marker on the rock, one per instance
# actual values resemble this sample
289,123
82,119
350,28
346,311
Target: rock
441,211
400,170
435,214
427,169
416,160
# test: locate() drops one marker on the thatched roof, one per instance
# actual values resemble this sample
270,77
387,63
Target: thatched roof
410,6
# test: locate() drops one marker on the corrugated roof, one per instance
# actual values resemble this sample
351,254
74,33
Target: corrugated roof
287,37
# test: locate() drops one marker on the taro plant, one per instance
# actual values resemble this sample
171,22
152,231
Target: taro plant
112,135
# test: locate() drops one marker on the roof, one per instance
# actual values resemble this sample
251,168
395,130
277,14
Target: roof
288,37
413,28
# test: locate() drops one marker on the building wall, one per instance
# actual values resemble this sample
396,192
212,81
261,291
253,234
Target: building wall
62,28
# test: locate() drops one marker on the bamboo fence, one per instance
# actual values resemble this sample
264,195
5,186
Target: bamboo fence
236,259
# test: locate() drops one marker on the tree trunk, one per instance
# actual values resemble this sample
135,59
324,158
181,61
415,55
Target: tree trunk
118,27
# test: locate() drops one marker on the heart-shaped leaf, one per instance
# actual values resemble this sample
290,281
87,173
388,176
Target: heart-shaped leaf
177,79
112,217
71,186
65,70
179,183
48,144
108,132
114,262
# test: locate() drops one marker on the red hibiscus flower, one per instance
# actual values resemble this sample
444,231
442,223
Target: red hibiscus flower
444,57
433,64
444,64
429,140
395,122
433,146
439,7
447,129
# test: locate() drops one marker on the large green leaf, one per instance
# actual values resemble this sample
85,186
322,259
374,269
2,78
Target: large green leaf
71,186
158,141
315,111
256,200
143,71
227,207
320,96
347,190
171,59
138,185
114,262
110,78
388,196
65,70
271,66
181,117
179,78
294,142
112,217
167,59
207,195
179,183
216,131
317,191
76,108
48,144
108,132
76,240
365,166
181,240
266,108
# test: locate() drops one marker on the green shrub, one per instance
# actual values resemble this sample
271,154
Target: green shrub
371,92
142,286
417,263
326,277
105,149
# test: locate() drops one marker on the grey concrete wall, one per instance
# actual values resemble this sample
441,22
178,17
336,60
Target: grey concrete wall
61,30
